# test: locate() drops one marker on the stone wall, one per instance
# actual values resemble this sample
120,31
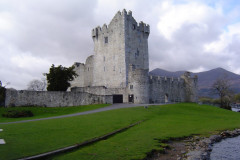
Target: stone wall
79,68
136,42
165,89
191,87
89,71
138,84
53,98
102,90
109,48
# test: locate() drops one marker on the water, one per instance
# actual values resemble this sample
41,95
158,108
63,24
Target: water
235,109
227,149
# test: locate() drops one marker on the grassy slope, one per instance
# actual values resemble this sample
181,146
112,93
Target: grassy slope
166,121
162,122
30,138
42,112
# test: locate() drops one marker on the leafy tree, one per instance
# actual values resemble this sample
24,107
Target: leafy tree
2,94
221,87
237,98
58,78
37,85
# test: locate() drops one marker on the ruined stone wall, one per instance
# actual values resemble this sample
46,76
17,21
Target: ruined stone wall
89,71
79,68
165,89
191,87
53,98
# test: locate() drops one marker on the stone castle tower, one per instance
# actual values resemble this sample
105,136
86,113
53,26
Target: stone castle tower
120,65
122,43
118,72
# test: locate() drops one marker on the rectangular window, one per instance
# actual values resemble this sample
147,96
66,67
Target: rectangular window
131,86
137,53
113,68
133,26
106,39
104,58
104,68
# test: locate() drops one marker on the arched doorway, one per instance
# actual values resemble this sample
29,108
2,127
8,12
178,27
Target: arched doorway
166,98
131,98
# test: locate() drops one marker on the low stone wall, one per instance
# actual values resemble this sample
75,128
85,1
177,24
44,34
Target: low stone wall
53,98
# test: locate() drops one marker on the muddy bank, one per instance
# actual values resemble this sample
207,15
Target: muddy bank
191,148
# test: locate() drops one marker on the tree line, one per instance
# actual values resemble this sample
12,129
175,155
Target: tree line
58,79
222,88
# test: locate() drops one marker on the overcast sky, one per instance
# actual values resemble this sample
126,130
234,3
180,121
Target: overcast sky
194,35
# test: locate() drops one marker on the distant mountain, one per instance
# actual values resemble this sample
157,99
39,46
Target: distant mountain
205,79
161,72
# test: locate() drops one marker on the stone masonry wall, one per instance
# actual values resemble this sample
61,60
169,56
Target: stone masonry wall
53,98
136,42
109,58
102,90
139,85
79,80
165,89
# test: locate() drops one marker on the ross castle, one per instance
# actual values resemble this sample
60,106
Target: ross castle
117,73
120,67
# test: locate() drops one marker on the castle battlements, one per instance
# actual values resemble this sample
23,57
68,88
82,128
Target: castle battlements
121,64
165,79
121,16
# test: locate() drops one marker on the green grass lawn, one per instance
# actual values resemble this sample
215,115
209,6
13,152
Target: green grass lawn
42,112
162,122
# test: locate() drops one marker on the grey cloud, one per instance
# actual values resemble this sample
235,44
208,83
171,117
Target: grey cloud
53,30
185,50
59,32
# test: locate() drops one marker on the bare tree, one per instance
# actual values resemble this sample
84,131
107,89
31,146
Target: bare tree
222,88
1,84
37,85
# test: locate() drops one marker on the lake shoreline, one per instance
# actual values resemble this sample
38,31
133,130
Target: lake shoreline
193,147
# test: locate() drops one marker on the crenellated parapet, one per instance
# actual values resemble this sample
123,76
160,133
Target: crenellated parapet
161,79
142,27
121,16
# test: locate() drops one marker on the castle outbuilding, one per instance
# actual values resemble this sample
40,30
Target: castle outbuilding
120,67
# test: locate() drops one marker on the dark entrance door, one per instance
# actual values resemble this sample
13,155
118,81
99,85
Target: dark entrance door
131,98
117,98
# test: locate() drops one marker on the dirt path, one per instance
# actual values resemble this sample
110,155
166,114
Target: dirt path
112,107
176,151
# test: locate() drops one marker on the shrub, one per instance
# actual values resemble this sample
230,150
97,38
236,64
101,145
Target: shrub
17,114
206,100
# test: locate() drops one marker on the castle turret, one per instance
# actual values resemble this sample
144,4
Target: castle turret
190,87
138,86
121,43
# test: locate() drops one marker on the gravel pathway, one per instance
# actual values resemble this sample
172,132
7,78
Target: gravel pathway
112,107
